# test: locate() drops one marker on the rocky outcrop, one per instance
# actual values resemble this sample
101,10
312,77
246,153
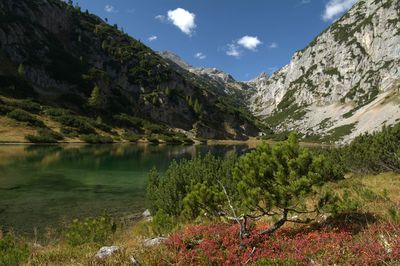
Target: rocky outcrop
348,77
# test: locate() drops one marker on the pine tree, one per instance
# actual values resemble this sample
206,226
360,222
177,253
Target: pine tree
104,45
274,181
197,108
21,70
95,99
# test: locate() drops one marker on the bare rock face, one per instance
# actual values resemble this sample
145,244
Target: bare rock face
349,76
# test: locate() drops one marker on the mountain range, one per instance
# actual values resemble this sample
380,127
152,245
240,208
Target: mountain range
344,83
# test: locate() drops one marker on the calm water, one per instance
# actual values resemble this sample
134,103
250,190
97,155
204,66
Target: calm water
43,186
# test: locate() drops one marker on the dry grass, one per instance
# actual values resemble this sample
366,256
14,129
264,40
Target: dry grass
375,192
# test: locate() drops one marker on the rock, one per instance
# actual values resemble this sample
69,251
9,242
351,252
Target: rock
146,214
154,241
341,78
134,261
105,252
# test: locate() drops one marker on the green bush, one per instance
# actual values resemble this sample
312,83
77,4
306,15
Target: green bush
369,153
45,136
153,139
90,230
275,181
4,109
167,193
69,132
12,253
27,105
96,139
76,122
24,116
163,223
131,137
56,112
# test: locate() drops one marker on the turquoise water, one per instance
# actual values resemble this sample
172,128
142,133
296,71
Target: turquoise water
44,186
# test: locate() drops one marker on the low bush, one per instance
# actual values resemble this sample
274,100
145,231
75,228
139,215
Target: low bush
90,230
45,136
75,122
131,137
12,252
219,244
69,132
5,109
27,105
167,193
368,153
153,139
56,112
127,121
96,139
24,116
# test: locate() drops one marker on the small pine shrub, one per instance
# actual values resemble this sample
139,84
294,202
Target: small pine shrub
45,136
153,139
131,137
96,139
90,230
24,116
56,112
78,123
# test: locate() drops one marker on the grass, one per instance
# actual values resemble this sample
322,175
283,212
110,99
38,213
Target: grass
377,196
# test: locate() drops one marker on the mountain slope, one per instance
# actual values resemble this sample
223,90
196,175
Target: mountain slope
55,54
344,83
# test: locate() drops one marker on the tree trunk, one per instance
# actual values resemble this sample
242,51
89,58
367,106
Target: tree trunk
276,225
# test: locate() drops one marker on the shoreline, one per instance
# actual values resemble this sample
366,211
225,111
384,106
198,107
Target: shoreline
252,142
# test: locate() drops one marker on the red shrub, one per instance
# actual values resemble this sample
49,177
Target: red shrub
220,244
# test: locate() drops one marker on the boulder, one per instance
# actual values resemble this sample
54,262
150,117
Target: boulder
154,241
146,214
105,252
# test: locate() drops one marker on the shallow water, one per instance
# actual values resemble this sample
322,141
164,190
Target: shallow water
44,185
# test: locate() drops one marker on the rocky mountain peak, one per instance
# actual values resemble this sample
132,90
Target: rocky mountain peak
344,82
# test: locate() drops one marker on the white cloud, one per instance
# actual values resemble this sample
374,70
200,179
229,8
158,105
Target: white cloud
183,19
110,9
160,18
273,45
249,42
200,56
336,7
152,38
233,50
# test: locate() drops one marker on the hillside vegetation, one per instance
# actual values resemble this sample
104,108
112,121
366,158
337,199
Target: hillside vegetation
56,56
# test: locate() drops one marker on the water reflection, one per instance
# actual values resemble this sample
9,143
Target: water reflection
41,185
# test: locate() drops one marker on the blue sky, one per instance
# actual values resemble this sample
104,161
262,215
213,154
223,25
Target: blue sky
241,37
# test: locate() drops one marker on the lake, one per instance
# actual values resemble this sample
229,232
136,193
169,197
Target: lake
45,185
